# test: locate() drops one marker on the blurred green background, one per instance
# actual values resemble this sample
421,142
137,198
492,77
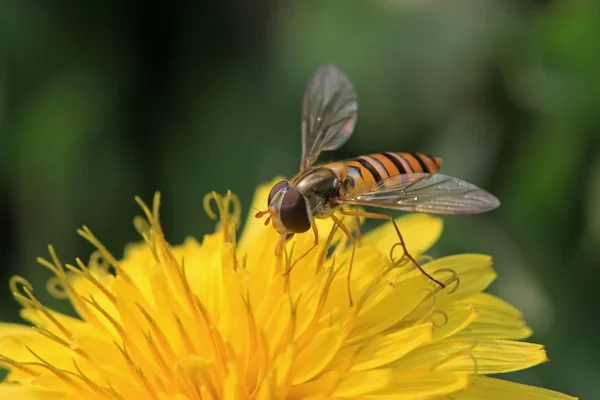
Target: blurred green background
103,101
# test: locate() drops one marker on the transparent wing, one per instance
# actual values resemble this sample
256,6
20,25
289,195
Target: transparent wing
329,113
433,194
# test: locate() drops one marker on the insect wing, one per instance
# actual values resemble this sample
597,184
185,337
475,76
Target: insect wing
427,193
329,113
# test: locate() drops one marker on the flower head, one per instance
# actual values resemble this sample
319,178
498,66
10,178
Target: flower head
219,320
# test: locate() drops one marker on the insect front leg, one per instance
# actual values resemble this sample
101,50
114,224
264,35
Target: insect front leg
402,243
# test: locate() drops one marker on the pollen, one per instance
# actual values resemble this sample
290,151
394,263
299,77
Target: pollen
221,319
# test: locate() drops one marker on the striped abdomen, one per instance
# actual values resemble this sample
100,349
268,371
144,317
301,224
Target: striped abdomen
367,171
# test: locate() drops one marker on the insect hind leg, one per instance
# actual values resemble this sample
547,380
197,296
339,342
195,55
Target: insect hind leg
402,243
358,231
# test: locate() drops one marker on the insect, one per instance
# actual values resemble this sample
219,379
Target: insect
389,180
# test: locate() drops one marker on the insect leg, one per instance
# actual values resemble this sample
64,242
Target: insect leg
390,218
353,241
358,233
316,232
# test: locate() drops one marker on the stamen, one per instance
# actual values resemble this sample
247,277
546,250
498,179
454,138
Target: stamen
113,391
331,274
402,261
137,371
87,234
252,329
55,288
55,259
141,225
155,212
157,355
293,317
230,210
118,327
216,339
53,285
316,319
97,261
30,301
288,258
325,248
444,316
160,335
88,275
15,283
144,229
184,336
453,278
88,381
45,332
189,295
78,301
207,207
61,374
19,365
371,288
145,208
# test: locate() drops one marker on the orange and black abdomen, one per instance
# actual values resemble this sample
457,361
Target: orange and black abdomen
367,171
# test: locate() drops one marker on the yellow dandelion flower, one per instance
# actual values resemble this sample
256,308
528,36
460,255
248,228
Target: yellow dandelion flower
218,320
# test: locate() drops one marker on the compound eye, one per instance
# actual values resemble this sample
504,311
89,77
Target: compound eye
293,213
278,186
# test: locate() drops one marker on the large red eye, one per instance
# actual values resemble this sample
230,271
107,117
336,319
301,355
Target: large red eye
293,213
278,186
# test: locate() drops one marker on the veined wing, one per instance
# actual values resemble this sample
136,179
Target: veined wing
433,194
329,113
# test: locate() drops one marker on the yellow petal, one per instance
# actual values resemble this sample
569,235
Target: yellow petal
319,352
137,257
14,346
315,389
232,383
37,318
14,330
474,273
28,392
191,371
422,386
176,396
281,367
384,349
497,319
278,323
482,356
403,299
103,351
451,319
360,382
420,232
482,387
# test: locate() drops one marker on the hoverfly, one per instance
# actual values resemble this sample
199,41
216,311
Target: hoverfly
389,180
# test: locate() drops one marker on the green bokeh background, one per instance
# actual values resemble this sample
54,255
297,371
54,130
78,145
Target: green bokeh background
103,101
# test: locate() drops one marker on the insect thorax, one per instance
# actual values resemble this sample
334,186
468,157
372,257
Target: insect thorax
319,186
